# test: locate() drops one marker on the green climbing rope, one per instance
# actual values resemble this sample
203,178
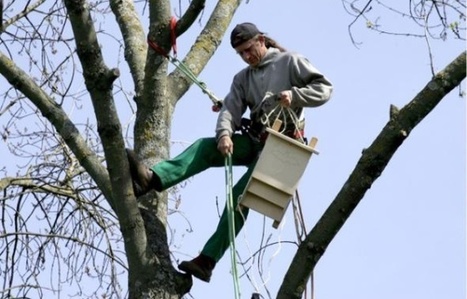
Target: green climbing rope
189,74
182,67
231,220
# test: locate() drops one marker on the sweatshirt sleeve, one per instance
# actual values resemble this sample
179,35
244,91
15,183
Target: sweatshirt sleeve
233,108
311,87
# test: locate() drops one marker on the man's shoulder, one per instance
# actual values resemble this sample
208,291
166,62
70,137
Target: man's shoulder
289,55
242,73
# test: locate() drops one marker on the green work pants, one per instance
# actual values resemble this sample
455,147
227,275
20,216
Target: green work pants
201,155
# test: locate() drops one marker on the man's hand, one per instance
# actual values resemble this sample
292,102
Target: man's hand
285,98
225,145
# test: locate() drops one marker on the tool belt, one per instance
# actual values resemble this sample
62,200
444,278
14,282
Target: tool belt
257,131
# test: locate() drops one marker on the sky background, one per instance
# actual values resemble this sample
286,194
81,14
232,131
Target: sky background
407,237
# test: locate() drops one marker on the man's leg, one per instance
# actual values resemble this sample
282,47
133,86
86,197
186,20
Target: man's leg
199,156
219,242
202,266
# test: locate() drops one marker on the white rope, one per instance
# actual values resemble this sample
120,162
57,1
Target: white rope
282,113
250,252
264,278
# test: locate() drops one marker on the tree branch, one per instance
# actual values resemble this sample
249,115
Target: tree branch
368,169
22,14
29,183
73,239
134,40
59,119
1,16
190,15
99,80
205,46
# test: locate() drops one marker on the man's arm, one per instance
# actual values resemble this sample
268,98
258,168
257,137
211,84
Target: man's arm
312,88
232,110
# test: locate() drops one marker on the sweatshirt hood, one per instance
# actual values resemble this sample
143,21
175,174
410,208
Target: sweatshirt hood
268,58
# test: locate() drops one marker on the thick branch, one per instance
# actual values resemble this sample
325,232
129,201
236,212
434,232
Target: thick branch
152,125
205,46
29,183
190,15
59,119
99,80
368,169
134,39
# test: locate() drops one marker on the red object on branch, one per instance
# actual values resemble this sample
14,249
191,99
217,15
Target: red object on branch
173,40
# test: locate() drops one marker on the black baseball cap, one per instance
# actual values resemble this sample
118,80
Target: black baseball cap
243,32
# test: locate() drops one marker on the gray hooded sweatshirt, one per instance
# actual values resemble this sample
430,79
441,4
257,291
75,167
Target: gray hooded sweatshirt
257,88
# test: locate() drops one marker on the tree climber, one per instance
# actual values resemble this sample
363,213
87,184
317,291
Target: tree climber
273,78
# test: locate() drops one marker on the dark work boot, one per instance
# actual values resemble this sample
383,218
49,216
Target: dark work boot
143,178
200,267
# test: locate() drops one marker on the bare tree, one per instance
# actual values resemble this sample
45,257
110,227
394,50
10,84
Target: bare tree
433,19
69,210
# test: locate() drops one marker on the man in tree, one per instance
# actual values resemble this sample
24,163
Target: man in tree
274,80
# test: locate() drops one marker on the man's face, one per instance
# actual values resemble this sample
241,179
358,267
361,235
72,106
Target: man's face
252,51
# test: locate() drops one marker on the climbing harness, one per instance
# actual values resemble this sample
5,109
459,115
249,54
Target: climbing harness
231,220
217,103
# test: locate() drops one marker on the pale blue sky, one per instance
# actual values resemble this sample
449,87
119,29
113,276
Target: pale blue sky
407,238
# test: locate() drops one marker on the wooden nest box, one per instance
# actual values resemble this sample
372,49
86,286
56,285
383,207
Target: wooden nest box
276,175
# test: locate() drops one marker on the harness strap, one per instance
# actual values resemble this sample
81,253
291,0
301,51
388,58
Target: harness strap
173,36
173,41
